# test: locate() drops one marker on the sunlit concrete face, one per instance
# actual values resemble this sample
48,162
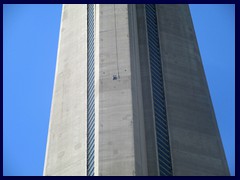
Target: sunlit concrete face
126,132
66,148
116,141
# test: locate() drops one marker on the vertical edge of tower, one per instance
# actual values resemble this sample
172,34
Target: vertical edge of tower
195,141
66,149
211,103
96,168
49,125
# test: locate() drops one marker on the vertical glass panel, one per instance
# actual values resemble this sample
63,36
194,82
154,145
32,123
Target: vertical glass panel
164,156
90,91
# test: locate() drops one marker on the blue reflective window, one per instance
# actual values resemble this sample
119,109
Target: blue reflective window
90,91
164,157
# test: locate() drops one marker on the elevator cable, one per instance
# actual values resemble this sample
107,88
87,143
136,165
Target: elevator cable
115,23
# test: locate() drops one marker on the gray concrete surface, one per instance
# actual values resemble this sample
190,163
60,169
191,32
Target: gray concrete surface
66,147
142,92
116,140
125,137
195,142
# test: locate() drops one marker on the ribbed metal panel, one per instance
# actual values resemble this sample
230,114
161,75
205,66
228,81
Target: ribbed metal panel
90,91
164,156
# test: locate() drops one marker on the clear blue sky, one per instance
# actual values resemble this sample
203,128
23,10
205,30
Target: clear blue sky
30,39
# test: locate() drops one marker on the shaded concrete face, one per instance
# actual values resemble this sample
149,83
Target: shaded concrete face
144,131
196,146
